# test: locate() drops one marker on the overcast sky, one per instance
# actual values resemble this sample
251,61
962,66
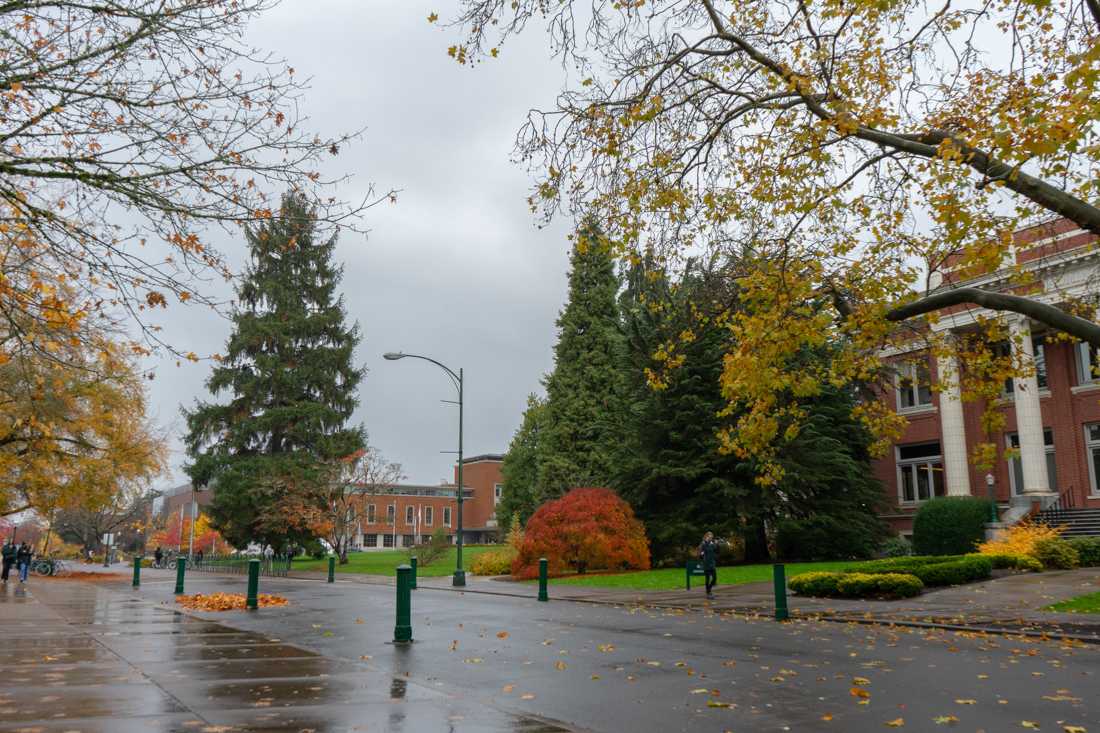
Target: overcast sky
457,269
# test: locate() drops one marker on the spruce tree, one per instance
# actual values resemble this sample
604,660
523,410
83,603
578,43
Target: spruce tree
576,442
291,387
521,467
668,464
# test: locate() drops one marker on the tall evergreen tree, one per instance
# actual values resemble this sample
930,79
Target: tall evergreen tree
521,466
291,384
576,441
667,462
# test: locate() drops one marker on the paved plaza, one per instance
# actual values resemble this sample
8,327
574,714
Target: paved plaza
101,656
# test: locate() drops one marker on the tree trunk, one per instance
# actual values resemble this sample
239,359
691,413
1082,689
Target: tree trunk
756,542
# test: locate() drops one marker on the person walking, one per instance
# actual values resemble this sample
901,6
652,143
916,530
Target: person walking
158,558
23,560
9,553
708,554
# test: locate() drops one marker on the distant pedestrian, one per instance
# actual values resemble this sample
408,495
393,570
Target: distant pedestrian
23,560
158,558
198,556
9,553
708,554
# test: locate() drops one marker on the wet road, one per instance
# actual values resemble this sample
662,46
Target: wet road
91,657
499,663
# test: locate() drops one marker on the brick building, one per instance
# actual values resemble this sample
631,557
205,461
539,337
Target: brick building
404,514
407,514
1052,417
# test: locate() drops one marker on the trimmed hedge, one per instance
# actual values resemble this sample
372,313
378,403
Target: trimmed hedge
856,585
1014,562
952,525
932,570
815,584
1057,553
884,585
1088,550
896,547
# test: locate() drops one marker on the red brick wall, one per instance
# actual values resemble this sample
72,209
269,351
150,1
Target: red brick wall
481,476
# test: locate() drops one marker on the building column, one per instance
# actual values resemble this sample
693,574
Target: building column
1029,416
956,466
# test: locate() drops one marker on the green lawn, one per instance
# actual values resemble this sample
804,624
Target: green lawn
673,578
1089,603
383,562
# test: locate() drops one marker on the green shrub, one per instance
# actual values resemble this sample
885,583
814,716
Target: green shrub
901,564
932,570
956,572
494,562
896,547
1027,562
815,584
952,525
823,537
884,585
1007,561
1057,553
1088,550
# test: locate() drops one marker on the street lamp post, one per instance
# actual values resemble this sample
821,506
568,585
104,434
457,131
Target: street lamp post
460,574
989,481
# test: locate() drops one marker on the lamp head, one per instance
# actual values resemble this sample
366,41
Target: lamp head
989,479
393,356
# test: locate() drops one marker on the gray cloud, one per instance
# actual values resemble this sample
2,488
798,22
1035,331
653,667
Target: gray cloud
456,269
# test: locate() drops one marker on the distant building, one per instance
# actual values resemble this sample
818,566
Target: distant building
404,514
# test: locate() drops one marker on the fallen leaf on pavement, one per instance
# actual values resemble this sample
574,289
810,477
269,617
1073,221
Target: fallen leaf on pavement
895,723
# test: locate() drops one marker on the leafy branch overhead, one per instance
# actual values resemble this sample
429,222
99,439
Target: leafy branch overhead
127,128
845,153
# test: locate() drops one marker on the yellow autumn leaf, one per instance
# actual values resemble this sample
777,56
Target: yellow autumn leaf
433,17
945,719
560,665
1074,729
1030,724
966,701
895,723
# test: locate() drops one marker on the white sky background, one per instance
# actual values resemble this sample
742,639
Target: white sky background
456,269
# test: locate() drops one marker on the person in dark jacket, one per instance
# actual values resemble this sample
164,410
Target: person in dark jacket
9,553
708,554
158,558
23,560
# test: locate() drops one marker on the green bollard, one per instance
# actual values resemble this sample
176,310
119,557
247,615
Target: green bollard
332,568
253,600
543,595
181,568
403,631
780,577
412,563
137,571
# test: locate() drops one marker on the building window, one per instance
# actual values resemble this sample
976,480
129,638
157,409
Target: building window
387,540
428,516
498,491
1087,362
920,472
1040,358
914,385
1092,442
370,513
446,516
1015,465
408,540
371,539
409,515
391,513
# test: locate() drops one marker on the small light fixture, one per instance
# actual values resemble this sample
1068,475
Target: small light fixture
393,356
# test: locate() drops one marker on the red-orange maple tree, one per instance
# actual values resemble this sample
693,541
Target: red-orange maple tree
587,529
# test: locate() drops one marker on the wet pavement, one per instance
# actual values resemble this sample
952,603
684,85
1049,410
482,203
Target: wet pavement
101,657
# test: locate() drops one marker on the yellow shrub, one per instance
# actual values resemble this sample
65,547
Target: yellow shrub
494,562
1020,539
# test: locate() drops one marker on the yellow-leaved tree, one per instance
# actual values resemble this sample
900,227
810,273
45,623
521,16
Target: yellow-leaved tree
72,428
842,152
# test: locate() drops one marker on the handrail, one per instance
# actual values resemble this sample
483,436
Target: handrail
1066,500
